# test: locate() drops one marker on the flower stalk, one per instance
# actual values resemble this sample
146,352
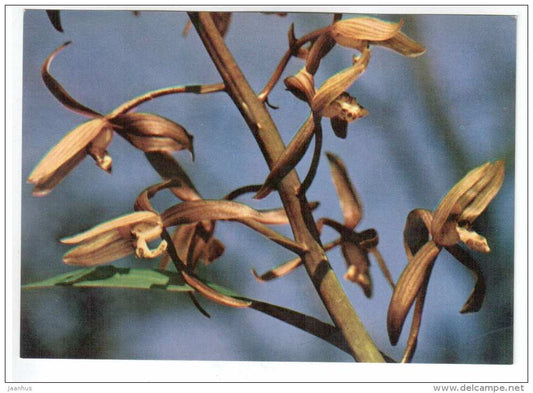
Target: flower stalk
302,223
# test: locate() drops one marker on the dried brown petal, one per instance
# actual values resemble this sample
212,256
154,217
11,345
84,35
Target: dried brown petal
52,168
340,82
412,341
45,184
207,210
448,209
195,211
169,168
213,294
213,250
340,127
383,266
301,85
127,222
476,297
403,45
319,50
59,92
416,231
279,271
486,195
103,249
350,32
407,288
142,203
149,133
350,202
55,19
289,158
481,192
279,216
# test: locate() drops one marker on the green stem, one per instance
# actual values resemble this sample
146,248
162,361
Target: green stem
302,223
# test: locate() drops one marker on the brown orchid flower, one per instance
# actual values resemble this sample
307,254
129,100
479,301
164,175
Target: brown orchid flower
357,33
182,186
116,239
196,220
145,131
330,100
355,245
425,235
194,242
122,236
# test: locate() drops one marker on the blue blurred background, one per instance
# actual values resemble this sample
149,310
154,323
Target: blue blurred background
432,119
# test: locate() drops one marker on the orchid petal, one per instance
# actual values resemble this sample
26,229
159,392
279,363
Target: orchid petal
476,297
44,185
416,231
169,168
194,211
348,32
448,206
149,132
321,47
407,288
104,248
349,200
279,271
290,157
339,126
59,92
55,19
67,151
126,221
403,45
486,195
340,82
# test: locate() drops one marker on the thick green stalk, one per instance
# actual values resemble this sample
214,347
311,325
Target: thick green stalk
302,223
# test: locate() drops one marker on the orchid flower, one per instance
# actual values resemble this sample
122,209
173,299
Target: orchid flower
145,131
426,233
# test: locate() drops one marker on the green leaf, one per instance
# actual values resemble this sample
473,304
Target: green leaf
119,277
